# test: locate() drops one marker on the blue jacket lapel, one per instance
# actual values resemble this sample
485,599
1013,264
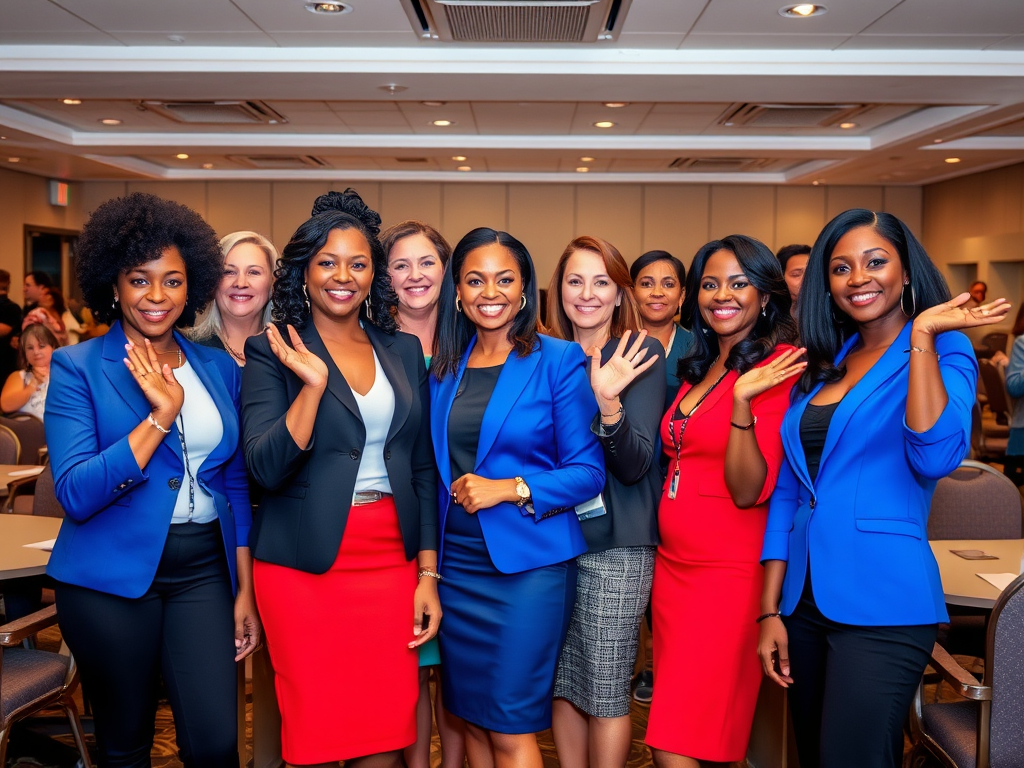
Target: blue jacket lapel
442,399
512,380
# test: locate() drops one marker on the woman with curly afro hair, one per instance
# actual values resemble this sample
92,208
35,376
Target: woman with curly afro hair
336,414
154,575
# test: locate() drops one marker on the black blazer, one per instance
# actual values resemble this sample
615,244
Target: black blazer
302,516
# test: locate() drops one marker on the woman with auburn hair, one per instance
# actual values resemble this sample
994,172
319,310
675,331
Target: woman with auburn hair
25,389
591,302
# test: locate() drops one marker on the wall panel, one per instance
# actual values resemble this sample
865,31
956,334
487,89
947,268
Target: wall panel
190,193
541,216
468,206
613,212
839,199
799,215
741,210
675,220
239,205
399,202
290,203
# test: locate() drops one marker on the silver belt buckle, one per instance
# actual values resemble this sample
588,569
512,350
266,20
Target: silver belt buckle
367,497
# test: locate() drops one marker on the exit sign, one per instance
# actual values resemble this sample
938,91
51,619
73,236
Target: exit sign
60,193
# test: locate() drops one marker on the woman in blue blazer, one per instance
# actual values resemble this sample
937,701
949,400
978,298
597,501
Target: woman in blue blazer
510,418
852,596
152,563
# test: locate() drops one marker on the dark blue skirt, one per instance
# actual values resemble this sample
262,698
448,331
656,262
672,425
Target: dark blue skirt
501,634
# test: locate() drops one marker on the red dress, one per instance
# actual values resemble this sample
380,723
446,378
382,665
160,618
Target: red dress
707,583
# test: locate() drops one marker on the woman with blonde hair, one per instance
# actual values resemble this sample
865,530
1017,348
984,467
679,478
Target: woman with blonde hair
590,301
241,306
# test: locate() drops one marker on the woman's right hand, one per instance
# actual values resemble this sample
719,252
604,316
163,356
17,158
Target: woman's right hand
156,381
773,648
299,360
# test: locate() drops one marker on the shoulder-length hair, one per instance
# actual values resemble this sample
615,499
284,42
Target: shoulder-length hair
773,327
454,330
652,257
42,335
405,229
625,316
209,323
824,327
333,211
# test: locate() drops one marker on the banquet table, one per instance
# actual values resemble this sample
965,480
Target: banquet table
17,560
960,581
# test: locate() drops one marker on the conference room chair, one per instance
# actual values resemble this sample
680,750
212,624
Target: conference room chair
988,440
31,434
34,680
34,495
996,342
984,729
10,447
995,387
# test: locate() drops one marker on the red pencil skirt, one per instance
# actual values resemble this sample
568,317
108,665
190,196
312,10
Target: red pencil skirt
346,679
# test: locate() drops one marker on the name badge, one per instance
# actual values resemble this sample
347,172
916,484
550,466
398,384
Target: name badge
593,508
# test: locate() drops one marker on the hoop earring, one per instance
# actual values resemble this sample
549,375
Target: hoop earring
522,303
369,309
913,301
306,294
458,304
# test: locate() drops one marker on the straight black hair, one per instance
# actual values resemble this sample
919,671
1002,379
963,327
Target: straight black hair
772,328
453,330
651,257
787,252
824,327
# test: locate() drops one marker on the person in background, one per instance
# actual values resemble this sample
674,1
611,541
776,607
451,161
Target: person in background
1013,368
978,292
594,306
24,391
10,327
722,436
152,560
511,417
241,305
49,311
793,259
32,288
417,255
852,596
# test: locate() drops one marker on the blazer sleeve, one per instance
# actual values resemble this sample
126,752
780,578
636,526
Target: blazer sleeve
781,514
236,479
1015,370
579,474
424,470
86,479
270,451
939,450
769,408
630,447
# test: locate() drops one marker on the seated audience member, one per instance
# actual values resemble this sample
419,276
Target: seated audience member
50,312
25,389
852,596
10,327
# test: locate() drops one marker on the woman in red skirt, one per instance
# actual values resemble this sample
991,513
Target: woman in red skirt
335,409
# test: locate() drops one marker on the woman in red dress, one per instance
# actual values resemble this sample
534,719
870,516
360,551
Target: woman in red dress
722,437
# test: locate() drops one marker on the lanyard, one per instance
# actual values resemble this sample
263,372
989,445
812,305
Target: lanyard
677,442
188,468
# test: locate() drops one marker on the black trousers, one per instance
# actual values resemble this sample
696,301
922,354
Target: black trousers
852,687
182,628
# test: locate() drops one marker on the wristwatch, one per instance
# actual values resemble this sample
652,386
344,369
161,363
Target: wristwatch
522,491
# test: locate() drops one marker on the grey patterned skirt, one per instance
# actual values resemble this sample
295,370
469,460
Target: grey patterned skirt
612,591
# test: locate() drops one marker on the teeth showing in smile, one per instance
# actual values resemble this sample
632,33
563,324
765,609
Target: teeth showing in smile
340,293
154,314
583,310
491,310
864,298
239,297
418,290
725,313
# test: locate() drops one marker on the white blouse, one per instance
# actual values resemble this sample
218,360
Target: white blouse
199,422
377,409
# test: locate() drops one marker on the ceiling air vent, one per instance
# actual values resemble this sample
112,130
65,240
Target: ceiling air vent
789,115
279,162
216,112
411,160
517,21
720,164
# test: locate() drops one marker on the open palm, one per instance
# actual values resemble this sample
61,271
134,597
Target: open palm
953,315
299,360
764,377
608,380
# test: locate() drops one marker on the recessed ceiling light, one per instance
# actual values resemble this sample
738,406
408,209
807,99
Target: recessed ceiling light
433,103
110,121
393,88
71,102
802,10
937,141
13,159
952,160
586,159
847,126
181,156
582,169
459,158
331,8
207,166
604,124
442,123
178,39
816,182
616,104
3,138
464,168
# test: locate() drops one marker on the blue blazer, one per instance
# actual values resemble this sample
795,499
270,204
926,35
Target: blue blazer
118,516
536,426
862,524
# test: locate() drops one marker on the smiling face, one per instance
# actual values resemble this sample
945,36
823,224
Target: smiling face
728,301
490,287
37,353
244,291
152,295
658,292
416,271
795,268
339,276
589,295
865,276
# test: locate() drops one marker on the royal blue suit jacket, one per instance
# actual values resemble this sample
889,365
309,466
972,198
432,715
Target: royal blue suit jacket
118,515
862,524
536,426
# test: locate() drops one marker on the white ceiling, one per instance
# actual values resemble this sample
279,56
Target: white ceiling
945,78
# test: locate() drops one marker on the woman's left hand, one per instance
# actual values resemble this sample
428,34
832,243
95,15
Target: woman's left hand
764,377
623,367
954,316
247,624
474,493
425,603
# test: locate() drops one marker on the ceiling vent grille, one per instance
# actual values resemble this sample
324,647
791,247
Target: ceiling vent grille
720,164
217,112
789,115
517,21
279,162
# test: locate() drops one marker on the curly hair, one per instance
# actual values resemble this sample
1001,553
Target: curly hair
129,231
335,210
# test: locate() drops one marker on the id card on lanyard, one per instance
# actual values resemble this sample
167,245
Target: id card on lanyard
677,441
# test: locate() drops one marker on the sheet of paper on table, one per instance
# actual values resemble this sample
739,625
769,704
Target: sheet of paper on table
999,580
46,546
26,472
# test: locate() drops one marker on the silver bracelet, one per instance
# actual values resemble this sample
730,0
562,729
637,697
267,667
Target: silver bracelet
426,572
924,351
152,420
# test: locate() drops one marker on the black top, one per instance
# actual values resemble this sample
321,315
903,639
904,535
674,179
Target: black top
10,314
813,431
467,415
633,479
213,342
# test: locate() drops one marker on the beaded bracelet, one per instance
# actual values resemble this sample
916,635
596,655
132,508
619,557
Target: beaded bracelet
432,574
764,616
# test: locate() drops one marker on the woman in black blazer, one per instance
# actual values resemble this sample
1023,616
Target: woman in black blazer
336,426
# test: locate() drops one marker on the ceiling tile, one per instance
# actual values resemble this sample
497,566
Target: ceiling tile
38,22
922,42
656,40
150,16
292,16
952,17
1015,43
322,39
659,16
627,119
500,117
220,39
420,116
762,16
765,41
